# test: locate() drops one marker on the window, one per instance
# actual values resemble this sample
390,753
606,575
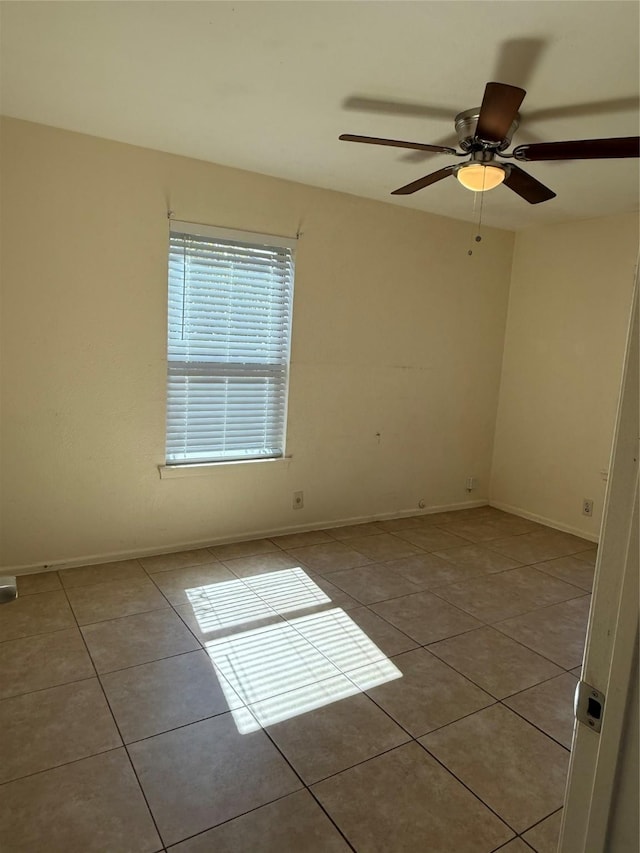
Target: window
229,329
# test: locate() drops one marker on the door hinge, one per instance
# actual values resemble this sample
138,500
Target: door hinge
589,706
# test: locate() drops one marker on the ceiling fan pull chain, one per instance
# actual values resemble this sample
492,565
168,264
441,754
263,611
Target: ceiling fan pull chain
473,216
478,237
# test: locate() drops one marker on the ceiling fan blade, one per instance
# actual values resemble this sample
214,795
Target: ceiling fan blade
518,58
433,178
499,107
580,149
396,143
527,187
423,156
593,108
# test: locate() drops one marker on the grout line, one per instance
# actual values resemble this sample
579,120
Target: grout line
536,726
537,684
115,722
437,728
410,739
528,648
328,815
462,675
245,707
125,616
542,820
390,624
531,687
257,808
304,784
188,627
259,626
510,841
41,634
146,662
84,641
62,764
38,633
495,622
424,645
37,592
381,600
508,637
435,591
473,792
477,796
48,687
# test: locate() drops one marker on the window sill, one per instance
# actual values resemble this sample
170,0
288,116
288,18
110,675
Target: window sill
206,469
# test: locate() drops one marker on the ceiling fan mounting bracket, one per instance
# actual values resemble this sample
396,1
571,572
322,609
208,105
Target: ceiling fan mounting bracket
466,123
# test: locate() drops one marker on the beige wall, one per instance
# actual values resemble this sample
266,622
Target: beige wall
569,306
396,331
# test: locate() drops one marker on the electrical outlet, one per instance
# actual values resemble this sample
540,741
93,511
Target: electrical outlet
471,484
587,506
298,500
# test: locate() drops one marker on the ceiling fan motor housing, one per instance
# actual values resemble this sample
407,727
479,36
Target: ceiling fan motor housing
466,123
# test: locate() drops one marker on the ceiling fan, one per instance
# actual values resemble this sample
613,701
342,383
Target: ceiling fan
485,133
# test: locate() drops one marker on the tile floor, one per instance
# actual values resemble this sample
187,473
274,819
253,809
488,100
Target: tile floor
399,686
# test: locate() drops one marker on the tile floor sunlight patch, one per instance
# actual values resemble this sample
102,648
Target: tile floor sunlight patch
229,603
293,667
290,667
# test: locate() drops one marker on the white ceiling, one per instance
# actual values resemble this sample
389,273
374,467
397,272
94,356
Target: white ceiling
269,86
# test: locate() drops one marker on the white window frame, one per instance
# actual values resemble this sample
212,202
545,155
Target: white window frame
181,465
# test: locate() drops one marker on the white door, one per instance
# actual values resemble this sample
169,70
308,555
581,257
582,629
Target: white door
612,635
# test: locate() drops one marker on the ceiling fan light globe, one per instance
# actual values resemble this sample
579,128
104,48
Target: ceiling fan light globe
479,178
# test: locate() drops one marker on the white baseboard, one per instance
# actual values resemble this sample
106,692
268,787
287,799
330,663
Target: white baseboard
115,556
549,522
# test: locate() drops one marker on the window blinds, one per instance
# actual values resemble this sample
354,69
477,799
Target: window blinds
230,302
